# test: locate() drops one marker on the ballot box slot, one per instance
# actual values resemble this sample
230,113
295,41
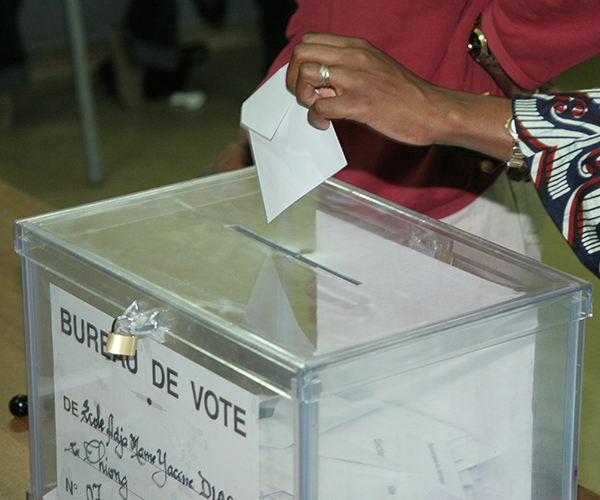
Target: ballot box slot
295,255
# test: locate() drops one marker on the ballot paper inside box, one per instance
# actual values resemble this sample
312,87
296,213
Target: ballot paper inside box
350,349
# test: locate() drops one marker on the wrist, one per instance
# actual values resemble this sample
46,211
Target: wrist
477,122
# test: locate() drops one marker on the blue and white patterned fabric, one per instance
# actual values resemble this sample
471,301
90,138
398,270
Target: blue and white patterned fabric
559,135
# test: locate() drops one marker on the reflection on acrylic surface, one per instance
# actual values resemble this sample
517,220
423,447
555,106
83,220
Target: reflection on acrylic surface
360,288
458,429
468,435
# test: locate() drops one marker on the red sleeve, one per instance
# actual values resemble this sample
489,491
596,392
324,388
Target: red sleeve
536,40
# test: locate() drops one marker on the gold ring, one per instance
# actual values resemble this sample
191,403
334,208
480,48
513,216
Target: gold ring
324,71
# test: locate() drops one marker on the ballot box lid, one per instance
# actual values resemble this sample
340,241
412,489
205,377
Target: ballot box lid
338,275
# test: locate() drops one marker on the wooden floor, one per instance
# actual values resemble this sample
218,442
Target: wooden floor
585,494
14,458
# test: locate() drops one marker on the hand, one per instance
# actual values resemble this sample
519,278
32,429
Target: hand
366,86
369,87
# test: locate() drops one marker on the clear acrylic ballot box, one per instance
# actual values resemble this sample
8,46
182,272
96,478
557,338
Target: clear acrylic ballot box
348,350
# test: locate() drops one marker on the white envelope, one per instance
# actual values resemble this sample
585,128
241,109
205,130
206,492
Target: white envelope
377,451
292,157
263,111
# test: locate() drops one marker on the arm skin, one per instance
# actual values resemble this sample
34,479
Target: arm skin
236,155
369,87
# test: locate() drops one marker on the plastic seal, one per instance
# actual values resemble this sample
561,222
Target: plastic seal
138,321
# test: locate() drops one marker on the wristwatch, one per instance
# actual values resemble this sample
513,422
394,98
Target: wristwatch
478,47
480,51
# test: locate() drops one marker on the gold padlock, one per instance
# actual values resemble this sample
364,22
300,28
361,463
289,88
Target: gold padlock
123,344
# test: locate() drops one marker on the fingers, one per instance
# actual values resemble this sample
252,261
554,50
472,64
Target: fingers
329,75
333,40
346,88
344,107
308,85
317,49
306,62
311,66
323,111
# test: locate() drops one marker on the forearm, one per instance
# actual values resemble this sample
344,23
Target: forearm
369,87
235,156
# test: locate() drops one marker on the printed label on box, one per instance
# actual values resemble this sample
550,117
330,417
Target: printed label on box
153,425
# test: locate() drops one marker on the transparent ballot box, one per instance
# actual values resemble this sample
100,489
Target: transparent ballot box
350,349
